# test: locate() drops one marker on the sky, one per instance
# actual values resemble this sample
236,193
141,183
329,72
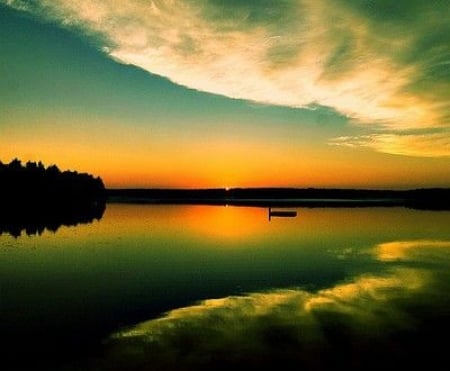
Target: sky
229,93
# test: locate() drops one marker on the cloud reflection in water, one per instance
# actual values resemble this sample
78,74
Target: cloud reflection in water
369,322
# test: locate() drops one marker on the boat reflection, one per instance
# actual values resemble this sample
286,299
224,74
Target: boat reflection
281,213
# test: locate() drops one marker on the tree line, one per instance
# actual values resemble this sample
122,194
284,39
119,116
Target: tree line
33,182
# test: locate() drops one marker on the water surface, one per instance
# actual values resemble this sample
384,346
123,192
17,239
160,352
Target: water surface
209,287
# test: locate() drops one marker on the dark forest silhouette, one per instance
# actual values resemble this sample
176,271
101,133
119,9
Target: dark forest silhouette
34,197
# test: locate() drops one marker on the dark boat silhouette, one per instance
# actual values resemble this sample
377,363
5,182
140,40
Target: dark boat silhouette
282,213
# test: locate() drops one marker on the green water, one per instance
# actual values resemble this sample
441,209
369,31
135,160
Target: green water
211,287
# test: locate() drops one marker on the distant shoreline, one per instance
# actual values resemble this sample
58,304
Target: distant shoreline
425,198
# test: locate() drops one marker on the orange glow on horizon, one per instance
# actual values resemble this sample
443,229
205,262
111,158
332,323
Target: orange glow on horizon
215,162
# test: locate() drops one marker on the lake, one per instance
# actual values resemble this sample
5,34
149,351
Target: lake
191,287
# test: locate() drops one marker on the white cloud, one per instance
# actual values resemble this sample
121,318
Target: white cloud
297,53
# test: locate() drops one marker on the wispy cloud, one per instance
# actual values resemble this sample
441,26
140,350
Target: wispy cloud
423,145
376,63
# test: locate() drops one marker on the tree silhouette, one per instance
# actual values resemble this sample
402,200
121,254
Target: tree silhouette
34,197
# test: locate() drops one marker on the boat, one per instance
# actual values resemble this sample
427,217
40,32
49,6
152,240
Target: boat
282,213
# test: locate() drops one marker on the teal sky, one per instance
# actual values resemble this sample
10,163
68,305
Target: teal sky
229,93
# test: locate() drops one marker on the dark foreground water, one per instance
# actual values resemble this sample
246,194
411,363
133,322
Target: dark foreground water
212,287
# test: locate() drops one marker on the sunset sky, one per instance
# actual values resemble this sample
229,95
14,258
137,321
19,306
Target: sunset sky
227,93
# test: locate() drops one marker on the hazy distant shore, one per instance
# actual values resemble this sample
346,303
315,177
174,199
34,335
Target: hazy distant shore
427,198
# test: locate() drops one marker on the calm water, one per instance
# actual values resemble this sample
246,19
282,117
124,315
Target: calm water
209,287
